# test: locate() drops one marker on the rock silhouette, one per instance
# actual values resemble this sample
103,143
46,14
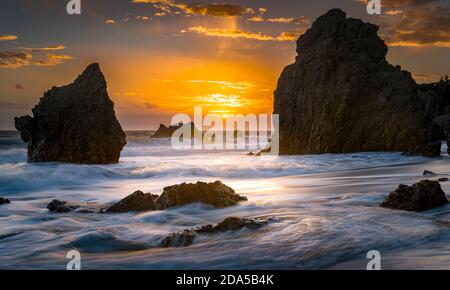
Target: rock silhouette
341,95
75,123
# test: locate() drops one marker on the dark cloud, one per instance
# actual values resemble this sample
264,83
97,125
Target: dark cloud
403,3
425,26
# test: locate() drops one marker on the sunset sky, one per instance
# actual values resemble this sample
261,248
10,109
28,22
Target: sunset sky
162,57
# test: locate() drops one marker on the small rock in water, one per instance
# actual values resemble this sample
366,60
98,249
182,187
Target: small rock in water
137,201
419,197
4,201
176,240
61,206
429,173
444,179
186,237
250,154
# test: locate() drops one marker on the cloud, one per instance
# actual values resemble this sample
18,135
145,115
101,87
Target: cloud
110,21
428,26
8,37
17,59
237,33
204,9
49,48
401,3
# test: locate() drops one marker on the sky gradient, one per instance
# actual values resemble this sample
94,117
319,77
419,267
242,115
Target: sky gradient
162,57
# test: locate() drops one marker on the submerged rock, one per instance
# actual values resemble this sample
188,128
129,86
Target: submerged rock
137,201
186,237
443,179
75,123
176,240
216,194
59,206
4,201
428,173
341,95
419,197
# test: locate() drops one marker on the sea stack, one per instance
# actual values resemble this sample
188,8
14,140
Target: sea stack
75,123
341,95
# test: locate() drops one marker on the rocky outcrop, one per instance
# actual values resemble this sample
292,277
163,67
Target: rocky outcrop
186,237
167,132
341,95
4,201
215,194
138,201
419,197
75,123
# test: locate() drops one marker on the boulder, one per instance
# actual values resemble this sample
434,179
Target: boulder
341,95
137,202
216,194
75,123
4,201
186,238
419,197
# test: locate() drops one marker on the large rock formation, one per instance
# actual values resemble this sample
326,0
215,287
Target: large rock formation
419,197
75,123
341,95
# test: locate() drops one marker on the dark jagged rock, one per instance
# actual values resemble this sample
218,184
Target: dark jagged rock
137,201
186,237
216,194
59,206
431,149
167,132
341,95
4,201
75,123
419,197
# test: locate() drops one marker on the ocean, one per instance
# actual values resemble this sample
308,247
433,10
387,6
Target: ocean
326,210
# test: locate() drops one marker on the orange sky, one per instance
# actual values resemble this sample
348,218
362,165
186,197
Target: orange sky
165,56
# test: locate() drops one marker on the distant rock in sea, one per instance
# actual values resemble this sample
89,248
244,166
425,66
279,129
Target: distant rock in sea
167,132
75,123
341,95
421,196
4,201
